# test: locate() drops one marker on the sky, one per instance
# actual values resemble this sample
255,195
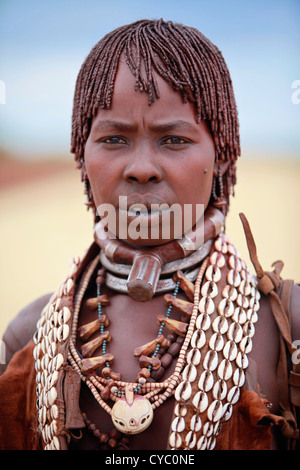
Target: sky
43,44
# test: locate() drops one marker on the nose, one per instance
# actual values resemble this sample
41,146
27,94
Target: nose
143,169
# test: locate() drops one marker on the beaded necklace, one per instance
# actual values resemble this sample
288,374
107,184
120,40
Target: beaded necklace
130,414
209,372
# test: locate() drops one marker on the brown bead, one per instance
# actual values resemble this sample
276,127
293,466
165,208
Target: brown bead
186,285
146,361
112,443
106,392
180,340
92,427
100,276
97,433
104,438
173,325
182,305
89,348
115,433
166,360
174,349
171,336
107,372
144,373
157,374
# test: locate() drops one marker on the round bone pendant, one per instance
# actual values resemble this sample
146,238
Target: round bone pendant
134,417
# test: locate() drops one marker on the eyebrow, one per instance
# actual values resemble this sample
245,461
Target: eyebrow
159,127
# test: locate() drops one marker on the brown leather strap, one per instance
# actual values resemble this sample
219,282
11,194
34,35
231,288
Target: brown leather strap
269,284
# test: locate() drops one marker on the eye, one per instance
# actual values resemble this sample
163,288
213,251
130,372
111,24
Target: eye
174,140
113,140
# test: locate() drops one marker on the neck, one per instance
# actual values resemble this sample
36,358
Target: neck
147,263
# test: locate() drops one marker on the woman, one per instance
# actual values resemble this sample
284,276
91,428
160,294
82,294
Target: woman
161,341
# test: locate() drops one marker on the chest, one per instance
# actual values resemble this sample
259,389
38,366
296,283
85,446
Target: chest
133,324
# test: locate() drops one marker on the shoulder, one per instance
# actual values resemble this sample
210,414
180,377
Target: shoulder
21,329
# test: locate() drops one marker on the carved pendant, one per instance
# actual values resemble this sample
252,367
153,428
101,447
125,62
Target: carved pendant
132,414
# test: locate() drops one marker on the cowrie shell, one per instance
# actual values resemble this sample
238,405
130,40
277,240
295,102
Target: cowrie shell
203,321
206,305
196,423
233,278
211,443
231,249
189,373
210,360
52,350
230,292
242,301
198,339
218,259
183,391
220,325
208,429
54,411
56,443
225,369
227,411
215,411
175,440
220,390
238,377
216,342
209,288
234,263
245,287
69,285
233,395
191,439
221,245
193,357
246,344
36,351
62,333
226,307
242,360
180,410
213,273
235,332
52,396
178,424
200,401
206,381
249,329
201,444
53,335
239,316
230,350
64,316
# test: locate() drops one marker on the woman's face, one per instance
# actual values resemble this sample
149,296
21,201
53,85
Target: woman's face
141,159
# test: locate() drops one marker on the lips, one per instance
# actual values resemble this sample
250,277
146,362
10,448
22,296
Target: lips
143,202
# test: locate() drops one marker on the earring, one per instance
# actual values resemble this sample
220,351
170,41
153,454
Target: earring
87,188
219,200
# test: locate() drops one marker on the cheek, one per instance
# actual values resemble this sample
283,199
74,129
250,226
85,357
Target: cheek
97,175
196,182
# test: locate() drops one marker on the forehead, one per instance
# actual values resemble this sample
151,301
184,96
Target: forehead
129,102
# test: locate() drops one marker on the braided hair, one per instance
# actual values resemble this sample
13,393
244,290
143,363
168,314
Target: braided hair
186,60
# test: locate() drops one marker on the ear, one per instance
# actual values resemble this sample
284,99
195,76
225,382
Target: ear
220,168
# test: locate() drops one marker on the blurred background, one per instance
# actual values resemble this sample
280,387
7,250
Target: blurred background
43,219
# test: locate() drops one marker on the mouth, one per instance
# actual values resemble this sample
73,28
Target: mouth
146,210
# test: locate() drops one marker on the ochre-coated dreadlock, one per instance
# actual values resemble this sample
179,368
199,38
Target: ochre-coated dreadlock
185,59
